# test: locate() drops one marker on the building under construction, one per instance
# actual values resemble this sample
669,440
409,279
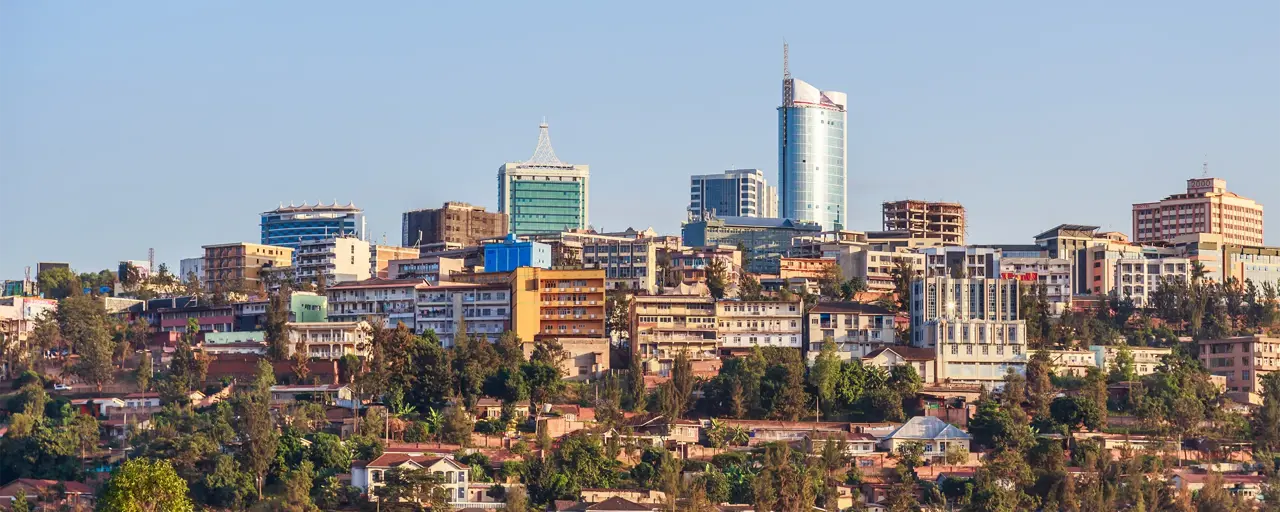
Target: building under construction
923,219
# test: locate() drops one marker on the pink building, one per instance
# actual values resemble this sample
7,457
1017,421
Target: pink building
1206,207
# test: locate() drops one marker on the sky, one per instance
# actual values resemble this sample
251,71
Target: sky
172,125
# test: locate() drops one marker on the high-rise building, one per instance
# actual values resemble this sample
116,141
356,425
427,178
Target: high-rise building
973,325
812,153
924,219
454,223
1206,207
735,193
543,194
238,266
339,260
289,226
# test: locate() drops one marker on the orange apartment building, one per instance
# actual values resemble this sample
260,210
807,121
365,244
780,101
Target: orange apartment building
1206,207
228,264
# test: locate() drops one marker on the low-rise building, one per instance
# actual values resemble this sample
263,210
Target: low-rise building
764,239
663,326
453,476
330,340
380,256
741,325
335,394
512,253
923,360
936,435
1051,274
629,263
484,310
856,329
209,318
391,301
1243,360
973,325
690,264
431,269
1145,359
1075,363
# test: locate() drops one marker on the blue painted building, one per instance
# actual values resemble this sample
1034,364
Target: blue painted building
513,253
289,226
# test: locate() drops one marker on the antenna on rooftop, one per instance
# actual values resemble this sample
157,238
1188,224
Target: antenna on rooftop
786,63
1205,172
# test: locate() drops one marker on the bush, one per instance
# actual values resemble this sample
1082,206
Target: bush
28,377
490,427
417,432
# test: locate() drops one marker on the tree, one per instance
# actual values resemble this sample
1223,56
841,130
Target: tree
544,372
58,283
749,287
717,277
617,306
144,372
413,486
20,503
300,363
1122,367
1266,420
1076,411
253,408
830,280
82,321
902,273
145,485
276,330
1040,389
516,500
824,375
682,382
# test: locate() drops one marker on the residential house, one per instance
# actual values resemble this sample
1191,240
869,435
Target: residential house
924,360
330,340
936,436
453,476
1075,363
48,494
742,325
856,329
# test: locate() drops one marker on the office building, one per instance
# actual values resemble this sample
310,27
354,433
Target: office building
1243,360
743,325
663,326
965,261
339,260
543,194
812,154
239,266
484,310
765,240
1051,274
1206,207
289,226
1137,278
735,193
925,219
512,253
974,326
388,302
855,329
381,256
453,223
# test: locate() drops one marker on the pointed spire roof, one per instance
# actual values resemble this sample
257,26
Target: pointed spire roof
543,154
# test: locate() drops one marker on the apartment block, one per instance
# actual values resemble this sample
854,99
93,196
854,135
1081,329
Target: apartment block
1145,359
1206,207
1051,274
1137,278
629,263
386,301
188,267
1243,360
453,223
662,326
856,329
924,219
432,269
965,261
484,310
330,340
381,256
558,303
227,266
741,325
690,263
339,260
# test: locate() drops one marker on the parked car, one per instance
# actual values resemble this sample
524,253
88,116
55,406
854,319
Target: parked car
61,387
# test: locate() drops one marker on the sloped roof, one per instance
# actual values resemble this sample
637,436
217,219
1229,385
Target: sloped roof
927,428
850,307
908,353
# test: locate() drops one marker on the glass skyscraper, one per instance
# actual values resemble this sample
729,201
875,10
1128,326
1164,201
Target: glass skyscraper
289,226
812,154
543,194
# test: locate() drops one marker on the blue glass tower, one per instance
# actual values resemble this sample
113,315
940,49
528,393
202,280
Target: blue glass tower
811,154
289,226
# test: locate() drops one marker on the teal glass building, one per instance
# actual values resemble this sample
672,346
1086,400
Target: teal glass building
543,195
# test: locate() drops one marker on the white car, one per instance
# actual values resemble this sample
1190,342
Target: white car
62,387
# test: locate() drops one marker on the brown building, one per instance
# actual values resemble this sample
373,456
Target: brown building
454,223
1243,360
228,265
380,257
662,326
923,219
1206,207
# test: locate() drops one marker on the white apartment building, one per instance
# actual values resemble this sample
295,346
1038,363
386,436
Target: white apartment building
339,260
1137,278
1145,359
392,301
1075,363
1053,274
484,310
628,263
974,326
965,261
330,340
190,266
855,329
741,325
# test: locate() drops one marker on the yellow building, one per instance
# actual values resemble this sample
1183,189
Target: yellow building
227,265
662,326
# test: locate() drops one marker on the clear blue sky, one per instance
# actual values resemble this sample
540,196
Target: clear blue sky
171,125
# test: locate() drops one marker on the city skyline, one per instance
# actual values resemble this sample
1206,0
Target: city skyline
981,120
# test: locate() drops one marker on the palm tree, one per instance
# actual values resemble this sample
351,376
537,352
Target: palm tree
434,421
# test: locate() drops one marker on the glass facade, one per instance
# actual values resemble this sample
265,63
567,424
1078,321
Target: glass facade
545,206
811,158
290,227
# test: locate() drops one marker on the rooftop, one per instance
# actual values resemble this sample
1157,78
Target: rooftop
318,207
850,307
